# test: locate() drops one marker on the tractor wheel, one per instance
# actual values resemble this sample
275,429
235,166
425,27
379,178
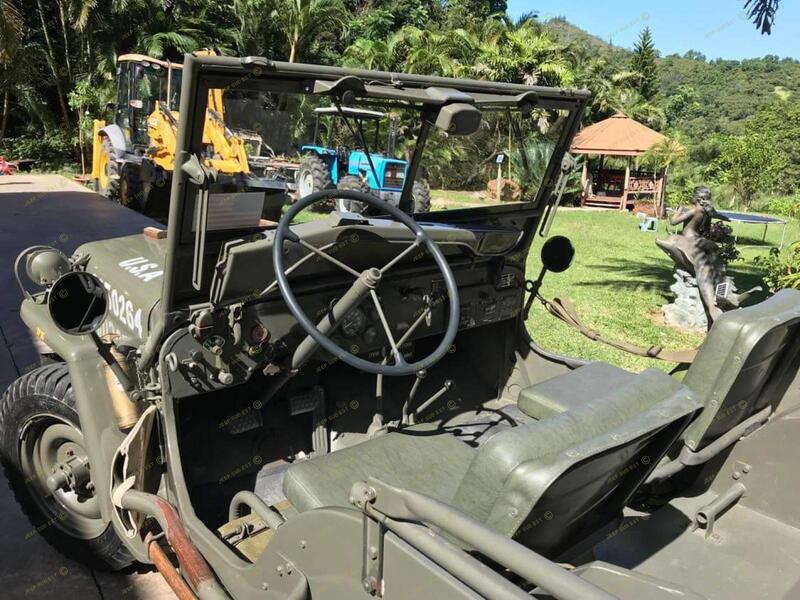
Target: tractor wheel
356,184
44,456
421,194
312,176
131,193
108,182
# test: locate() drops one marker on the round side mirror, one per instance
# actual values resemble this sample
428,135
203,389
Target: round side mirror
557,254
78,303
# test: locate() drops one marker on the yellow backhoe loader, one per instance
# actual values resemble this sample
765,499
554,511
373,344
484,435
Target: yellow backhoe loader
133,157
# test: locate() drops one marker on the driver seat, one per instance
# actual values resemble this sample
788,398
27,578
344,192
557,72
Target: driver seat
546,483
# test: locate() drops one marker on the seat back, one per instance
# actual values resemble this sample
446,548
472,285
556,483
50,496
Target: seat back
732,372
549,483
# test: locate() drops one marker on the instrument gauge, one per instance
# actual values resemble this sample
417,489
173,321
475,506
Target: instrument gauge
353,323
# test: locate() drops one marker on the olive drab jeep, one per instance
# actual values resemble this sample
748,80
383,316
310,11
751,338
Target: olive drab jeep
351,406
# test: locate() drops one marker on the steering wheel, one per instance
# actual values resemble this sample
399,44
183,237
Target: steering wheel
366,284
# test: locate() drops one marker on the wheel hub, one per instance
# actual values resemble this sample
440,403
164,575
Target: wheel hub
57,470
306,184
72,474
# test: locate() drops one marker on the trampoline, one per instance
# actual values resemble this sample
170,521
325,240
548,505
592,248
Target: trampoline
754,219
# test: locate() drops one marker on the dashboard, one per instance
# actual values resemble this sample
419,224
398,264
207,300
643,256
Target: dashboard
239,335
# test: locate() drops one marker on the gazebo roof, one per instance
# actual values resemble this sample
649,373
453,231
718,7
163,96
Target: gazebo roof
616,136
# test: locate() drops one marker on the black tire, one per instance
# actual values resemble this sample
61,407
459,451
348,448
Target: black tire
39,397
131,193
421,194
353,183
313,175
108,183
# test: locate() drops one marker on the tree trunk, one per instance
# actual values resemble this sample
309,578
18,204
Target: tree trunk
4,119
51,62
292,51
65,36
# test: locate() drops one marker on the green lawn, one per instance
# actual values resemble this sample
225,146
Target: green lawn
618,281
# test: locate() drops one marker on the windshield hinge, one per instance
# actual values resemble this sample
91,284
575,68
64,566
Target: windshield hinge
203,177
567,168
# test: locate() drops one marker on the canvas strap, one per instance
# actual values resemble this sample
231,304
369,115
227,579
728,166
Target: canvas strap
564,309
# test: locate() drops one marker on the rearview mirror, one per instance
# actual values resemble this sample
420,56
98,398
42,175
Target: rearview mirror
459,119
77,303
557,254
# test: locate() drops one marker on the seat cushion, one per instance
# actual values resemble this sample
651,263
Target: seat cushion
417,460
506,463
572,390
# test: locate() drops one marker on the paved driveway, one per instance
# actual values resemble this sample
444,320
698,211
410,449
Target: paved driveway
49,209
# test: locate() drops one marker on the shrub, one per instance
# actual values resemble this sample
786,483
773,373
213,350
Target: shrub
781,270
52,148
787,206
722,234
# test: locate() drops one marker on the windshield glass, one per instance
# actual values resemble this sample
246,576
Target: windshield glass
253,140
314,143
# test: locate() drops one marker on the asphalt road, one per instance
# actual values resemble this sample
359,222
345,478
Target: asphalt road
49,209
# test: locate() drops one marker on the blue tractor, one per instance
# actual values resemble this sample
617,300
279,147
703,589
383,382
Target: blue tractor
356,168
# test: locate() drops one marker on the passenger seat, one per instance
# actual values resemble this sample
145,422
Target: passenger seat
738,375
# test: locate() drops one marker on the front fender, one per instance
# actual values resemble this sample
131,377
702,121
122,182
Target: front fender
117,138
92,402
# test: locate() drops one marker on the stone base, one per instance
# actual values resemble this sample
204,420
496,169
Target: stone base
686,311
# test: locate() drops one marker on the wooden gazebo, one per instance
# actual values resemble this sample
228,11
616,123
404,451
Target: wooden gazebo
618,136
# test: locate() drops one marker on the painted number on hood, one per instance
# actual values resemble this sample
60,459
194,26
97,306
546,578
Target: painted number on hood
142,268
123,310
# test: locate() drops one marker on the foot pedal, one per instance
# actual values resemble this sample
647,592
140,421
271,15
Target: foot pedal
244,421
313,401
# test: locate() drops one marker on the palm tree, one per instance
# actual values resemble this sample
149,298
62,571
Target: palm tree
523,53
633,104
664,154
372,54
51,62
158,31
300,20
762,12
255,26
434,52
11,26
597,75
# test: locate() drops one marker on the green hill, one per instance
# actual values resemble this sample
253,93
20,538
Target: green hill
702,97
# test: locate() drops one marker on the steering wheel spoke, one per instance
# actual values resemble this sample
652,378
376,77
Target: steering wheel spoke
398,356
417,243
328,257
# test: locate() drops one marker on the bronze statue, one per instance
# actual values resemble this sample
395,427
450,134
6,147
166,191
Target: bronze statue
695,253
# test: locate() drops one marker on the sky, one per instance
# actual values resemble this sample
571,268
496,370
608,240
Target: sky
717,28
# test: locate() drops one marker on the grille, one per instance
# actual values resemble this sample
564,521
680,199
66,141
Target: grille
394,176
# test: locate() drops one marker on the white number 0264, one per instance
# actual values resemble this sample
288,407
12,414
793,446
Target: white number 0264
123,310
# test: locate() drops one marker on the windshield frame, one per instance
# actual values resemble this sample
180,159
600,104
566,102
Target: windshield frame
202,73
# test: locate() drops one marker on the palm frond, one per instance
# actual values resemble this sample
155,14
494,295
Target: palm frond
762,13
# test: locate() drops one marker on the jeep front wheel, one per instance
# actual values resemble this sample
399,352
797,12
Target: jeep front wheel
46,463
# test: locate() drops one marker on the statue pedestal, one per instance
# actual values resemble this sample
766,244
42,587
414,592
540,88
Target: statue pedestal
686,311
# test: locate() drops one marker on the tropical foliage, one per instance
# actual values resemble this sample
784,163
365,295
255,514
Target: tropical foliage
750,165
781,270
57,71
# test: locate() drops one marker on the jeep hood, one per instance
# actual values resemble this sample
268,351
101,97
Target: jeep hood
132,269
